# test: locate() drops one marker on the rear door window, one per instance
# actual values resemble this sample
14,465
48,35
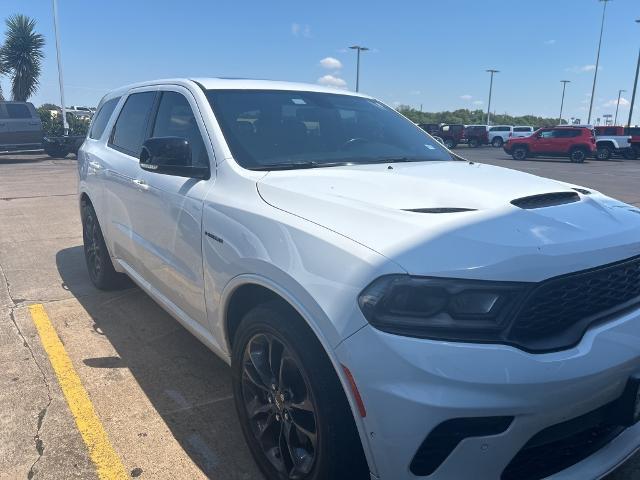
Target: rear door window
130,129
102,118
18,110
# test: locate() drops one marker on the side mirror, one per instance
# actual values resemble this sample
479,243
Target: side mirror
170,156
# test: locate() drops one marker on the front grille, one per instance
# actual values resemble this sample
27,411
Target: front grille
565,444
558,311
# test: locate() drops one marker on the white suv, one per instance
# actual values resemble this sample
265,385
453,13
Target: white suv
499,134
522,131
388,311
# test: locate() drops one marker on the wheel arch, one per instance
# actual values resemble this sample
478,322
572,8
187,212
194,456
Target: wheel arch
580,146
246,292
606,143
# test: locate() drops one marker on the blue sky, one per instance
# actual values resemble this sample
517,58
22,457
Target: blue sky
425,52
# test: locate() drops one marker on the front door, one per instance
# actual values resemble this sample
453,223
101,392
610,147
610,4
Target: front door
171,220
543,142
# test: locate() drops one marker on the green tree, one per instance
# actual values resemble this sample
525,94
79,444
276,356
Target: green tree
21,56
473,117
50,106
52,125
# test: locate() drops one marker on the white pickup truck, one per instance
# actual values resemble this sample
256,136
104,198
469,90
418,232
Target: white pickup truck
612,140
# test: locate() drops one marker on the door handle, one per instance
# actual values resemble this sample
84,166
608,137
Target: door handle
95,165
141,184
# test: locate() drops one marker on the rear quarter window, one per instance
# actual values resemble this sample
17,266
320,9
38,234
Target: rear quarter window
101,118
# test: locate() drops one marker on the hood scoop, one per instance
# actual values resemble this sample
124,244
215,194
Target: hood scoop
546,200
439,210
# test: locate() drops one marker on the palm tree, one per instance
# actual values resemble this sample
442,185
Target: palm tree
21,56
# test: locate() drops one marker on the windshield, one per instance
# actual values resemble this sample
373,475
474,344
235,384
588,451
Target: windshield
277,129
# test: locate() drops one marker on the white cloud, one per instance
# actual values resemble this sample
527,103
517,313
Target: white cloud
331,63
612,103
478,102
582,69
466,97
298,30
332,81
549,42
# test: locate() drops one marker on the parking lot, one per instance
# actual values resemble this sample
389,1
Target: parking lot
163,400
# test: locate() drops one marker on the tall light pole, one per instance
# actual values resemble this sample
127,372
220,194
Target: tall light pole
595,72
359,49
615,121
635,86
491,71
564,86
55,26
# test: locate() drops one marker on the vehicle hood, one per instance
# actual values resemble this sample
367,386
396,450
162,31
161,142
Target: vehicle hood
371,204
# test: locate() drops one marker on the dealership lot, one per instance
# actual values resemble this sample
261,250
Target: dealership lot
163,400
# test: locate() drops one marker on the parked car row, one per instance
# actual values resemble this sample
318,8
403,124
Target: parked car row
578,142
475,135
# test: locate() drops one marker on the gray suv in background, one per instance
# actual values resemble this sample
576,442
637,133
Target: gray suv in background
20,126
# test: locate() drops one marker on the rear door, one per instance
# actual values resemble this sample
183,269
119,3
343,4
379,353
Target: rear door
563,139
25,127
122,190
171,210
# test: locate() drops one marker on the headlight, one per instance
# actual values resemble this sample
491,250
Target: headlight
441,308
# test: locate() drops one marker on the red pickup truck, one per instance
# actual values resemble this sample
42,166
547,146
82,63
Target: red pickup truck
577,143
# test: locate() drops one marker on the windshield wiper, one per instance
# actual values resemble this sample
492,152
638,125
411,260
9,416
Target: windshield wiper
298,165
397,160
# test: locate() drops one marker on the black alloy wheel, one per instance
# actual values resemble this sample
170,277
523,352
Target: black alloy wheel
292,408
578,155
519,153
603,153
99,265
280,405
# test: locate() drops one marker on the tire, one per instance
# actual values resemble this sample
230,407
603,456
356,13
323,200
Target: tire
286,402
519,153
450,143
97,258
578,155
603,153
55,151
474,142
497,142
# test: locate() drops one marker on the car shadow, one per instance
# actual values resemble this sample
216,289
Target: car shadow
188,386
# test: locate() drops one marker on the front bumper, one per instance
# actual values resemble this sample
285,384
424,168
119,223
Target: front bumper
409,386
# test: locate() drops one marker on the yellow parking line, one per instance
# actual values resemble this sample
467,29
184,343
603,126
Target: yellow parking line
102,454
